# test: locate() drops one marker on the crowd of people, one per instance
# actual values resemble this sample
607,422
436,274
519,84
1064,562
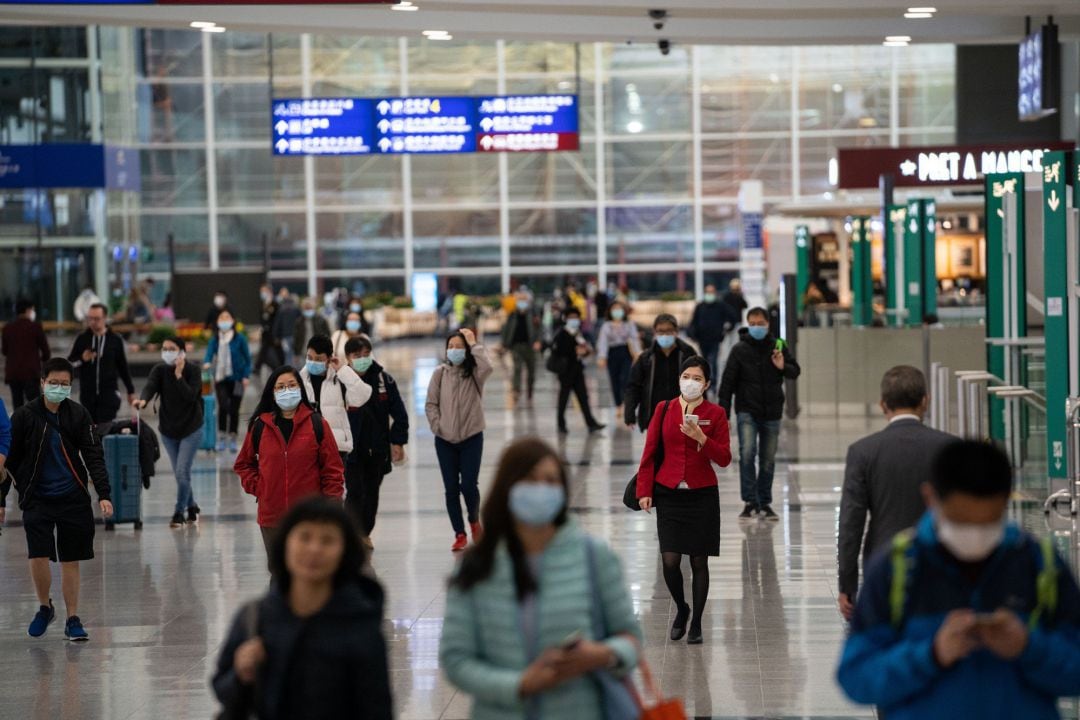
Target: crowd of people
955,607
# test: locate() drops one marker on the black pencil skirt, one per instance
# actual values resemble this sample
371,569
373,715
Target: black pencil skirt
688,521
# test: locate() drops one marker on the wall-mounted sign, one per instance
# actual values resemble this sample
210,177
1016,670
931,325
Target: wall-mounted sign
69,165
1039,84
424,125
930,166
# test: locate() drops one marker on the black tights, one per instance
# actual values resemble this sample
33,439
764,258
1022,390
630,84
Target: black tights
699,565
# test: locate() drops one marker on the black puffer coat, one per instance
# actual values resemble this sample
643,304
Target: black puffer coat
752,378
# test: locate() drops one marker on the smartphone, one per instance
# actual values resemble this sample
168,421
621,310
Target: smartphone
690,419
571,641
985,619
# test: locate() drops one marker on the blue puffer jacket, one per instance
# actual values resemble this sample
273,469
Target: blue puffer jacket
241,355
894,668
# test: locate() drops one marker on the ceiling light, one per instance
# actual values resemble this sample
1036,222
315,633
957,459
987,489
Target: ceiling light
918,16
213,29
436,33
898,38
837,88
930,10
405,6
200,24
893,43
634,126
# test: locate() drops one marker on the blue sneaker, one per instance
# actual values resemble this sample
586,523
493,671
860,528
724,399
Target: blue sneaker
221,445
74,631
41,621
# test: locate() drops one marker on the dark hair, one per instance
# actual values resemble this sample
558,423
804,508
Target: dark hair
266,400
931,319
224,310
22,306
99,306
325,512
698,362
469,365
757,312
57,364
321,344
357,344
972,468
180,343
515,463
221,292
572,310
665,318
903,387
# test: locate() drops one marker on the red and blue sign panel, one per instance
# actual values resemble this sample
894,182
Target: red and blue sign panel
425,125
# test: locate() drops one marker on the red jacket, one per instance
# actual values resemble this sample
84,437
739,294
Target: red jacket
25,347
281,475
683,460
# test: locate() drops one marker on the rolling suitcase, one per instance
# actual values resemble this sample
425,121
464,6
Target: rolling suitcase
209,428
125,478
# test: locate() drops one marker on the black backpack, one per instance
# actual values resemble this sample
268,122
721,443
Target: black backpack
258,425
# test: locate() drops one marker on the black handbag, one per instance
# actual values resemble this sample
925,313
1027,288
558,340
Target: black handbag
629,496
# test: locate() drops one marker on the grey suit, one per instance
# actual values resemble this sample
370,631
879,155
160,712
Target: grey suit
882,477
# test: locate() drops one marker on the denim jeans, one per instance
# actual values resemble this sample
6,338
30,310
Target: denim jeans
181,454
757,441
711,353
460,466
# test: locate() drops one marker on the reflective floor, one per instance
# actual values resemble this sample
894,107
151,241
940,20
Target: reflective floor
156,602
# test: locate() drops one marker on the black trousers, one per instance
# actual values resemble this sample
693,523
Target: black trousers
24,391
228,407
270,356
576,385
363,481
103,407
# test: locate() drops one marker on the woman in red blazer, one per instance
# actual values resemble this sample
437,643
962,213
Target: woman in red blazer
679,480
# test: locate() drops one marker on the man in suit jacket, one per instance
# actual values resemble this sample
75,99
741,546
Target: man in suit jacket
883,475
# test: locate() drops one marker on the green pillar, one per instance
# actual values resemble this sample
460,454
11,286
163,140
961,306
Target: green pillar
929,222
1055,266
892,277
802,263
862,284
913,263
1006,292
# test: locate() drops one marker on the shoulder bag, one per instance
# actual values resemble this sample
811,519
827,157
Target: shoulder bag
629,497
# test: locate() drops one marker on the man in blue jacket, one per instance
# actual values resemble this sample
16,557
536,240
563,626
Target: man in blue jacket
966,615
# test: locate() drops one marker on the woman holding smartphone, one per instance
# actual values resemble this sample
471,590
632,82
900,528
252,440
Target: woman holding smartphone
686,436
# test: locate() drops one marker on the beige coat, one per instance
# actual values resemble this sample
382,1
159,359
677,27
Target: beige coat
455,403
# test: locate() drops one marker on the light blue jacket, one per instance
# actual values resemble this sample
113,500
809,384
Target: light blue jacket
483,649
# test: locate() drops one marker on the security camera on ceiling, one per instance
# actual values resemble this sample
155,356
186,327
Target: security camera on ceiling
658,17
665,47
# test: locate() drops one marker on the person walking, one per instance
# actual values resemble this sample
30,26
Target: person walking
967,615
229,357
712,320
313,646
55,456
455,413
380,433
521,336
219,305
569,348
309,324
537,609
180,418
25,347
686,436
883,477
101,359
269,347
655,375
754,374
353,327
285,324
333,387
289,452
617,348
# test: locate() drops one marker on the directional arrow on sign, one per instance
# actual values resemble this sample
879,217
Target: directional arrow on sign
1057,464
487,124
914,225
383,107
282,145
384,125
1054,201
281,127
385,144
486,142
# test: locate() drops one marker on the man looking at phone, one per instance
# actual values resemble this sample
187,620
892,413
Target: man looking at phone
754,375
101,360
966,615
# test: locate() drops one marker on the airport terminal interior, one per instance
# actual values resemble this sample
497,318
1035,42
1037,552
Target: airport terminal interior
894,185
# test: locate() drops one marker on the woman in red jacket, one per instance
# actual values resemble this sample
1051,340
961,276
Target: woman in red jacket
286,457
686,436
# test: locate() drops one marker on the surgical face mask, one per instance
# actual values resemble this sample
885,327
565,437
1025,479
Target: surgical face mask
169,357
573,325
316,368
534,503
522,305
225,325
219,301
355,307
57,393
288,399
266,297
618,314
691,389
32,315
758,332
710,297
970,542
309,313
666,342
456,356
362,365
352,326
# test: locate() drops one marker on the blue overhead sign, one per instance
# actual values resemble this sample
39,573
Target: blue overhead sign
69,165
426,125
323,126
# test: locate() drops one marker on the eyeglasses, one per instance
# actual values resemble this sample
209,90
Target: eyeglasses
58,384
293,386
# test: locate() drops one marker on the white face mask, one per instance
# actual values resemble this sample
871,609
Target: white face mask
970,542
691,389
31,316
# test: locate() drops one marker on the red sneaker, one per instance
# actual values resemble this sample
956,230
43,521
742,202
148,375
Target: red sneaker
477,532
460,543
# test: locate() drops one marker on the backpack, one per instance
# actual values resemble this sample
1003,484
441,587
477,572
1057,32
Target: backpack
257,431
903,557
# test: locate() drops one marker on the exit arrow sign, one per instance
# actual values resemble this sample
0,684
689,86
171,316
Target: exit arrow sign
1054,201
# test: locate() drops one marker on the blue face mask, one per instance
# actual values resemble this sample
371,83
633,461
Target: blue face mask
309,313
287,399
352,326
362,365
758,332
225,325
355,307
573,325
57,393
522,305
533,503
618,314
666,342
316,368
456,356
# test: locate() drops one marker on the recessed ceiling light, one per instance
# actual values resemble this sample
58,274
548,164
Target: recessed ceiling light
634,126
930,10
918,15
213,29
405,6
200,24
435,33
898,38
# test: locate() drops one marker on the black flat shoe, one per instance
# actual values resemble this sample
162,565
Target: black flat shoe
694,638
678,628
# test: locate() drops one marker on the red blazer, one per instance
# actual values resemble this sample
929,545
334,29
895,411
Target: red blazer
283,475
682,458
